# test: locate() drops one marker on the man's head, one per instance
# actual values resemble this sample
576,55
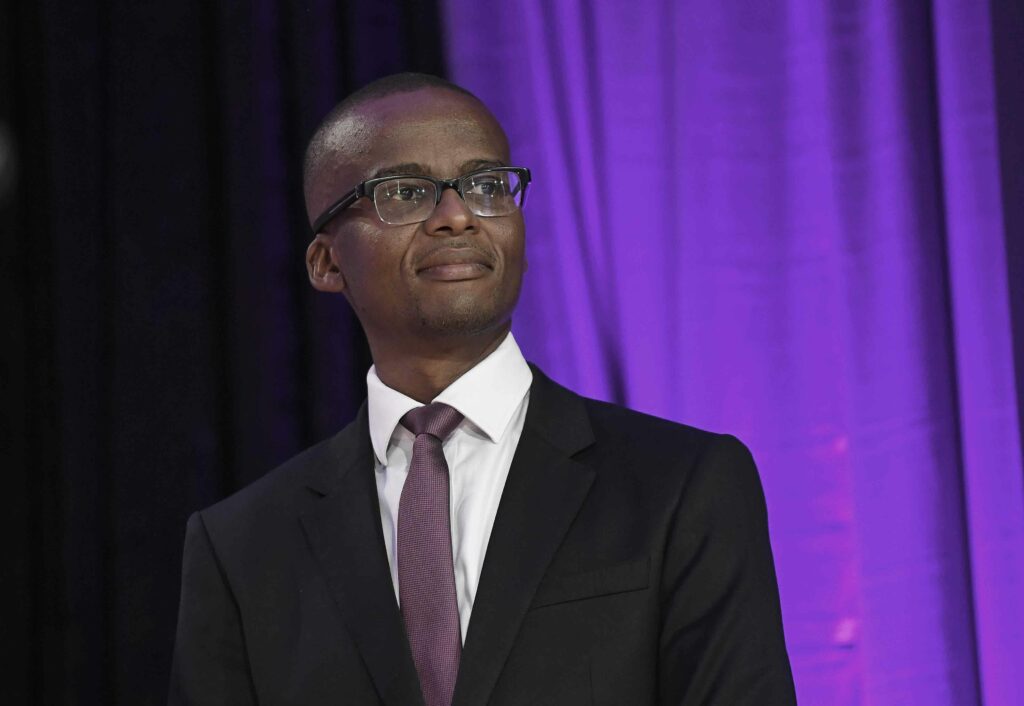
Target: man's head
455,273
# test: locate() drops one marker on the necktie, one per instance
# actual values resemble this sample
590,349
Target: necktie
426,574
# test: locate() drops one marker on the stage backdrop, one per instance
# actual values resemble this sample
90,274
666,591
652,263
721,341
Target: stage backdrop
785,224
783,221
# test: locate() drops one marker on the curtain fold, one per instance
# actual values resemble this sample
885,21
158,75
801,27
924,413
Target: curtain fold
777,220
982,333
783,221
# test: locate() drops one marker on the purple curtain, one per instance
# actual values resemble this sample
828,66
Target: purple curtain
783,220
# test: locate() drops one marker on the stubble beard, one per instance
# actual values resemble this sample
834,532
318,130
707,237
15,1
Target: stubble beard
466,315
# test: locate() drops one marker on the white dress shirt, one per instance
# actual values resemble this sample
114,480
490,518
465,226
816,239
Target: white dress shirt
492,396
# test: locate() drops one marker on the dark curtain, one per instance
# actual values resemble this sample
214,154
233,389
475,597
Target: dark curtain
163,347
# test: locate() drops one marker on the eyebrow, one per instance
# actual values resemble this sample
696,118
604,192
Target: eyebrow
474,164
405,168
416,168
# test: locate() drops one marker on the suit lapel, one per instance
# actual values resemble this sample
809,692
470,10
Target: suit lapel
543,493
344,532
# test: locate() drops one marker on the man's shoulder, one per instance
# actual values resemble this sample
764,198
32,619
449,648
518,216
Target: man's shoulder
620,421
662,459
644,441
616,426
289,486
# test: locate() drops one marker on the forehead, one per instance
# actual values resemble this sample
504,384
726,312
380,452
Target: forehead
436,128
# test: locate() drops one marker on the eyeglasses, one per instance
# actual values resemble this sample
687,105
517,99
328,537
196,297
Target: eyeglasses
404,199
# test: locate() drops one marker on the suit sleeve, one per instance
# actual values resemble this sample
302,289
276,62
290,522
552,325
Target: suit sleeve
722,641
210,664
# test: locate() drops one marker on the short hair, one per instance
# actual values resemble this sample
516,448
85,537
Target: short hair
319,144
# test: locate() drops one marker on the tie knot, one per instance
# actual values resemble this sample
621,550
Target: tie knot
437,419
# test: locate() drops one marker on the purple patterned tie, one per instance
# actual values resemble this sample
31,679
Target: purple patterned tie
426,574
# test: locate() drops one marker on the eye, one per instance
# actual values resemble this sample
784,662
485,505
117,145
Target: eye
489,185
403,190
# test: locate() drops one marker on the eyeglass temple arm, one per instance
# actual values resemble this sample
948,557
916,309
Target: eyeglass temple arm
338,206
524,181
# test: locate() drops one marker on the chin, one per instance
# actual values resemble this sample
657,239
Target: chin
466,313
461,323
466,320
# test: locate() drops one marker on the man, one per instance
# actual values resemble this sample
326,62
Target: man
479,534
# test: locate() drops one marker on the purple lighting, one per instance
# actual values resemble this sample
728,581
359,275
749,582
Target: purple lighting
781,220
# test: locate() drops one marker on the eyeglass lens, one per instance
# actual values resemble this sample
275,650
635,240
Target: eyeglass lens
405,200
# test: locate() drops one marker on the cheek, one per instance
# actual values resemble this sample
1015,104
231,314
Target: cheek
512,244
373,259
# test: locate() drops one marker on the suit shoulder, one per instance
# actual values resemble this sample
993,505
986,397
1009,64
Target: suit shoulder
657,447
706,474
612,421
278,490
620,435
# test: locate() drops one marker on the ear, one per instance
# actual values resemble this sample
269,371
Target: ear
324,273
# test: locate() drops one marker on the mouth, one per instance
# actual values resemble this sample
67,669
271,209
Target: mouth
454,265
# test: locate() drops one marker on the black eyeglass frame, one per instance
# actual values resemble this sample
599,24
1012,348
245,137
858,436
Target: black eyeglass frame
366,189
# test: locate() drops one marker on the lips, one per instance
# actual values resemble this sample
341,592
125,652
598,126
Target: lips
454,264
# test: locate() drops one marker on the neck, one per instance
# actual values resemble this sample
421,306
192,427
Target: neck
423,370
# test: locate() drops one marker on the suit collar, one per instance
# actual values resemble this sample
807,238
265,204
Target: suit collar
558,415
344,450
555,413
344,532
543,493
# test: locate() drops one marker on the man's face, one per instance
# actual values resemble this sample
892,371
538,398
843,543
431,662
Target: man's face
455,273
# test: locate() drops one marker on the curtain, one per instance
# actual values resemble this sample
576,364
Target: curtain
786,221
164,347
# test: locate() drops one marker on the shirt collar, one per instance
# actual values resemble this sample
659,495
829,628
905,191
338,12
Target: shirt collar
487,395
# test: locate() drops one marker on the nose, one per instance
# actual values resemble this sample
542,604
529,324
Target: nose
451,216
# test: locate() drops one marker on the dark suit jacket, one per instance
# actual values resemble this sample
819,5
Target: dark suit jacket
629,564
